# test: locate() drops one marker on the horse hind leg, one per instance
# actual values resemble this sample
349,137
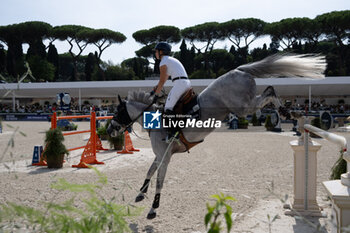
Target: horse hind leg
268,96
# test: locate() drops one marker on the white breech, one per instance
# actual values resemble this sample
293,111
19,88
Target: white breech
179,88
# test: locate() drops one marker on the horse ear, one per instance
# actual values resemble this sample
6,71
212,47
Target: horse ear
120,99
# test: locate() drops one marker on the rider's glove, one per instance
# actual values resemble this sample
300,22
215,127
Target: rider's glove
155,98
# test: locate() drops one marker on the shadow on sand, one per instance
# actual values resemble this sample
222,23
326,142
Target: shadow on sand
147,229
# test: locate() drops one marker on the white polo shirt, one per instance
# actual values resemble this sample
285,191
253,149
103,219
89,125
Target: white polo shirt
174,67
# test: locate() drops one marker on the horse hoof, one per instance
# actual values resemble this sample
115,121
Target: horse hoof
140,197
151,215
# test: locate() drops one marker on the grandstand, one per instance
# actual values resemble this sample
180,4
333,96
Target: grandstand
330,89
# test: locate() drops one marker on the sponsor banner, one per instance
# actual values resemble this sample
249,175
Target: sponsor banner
24,117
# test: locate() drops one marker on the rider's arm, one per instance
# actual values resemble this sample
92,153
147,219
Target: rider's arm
162,79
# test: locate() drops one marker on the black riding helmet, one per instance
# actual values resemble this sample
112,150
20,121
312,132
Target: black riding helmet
164,46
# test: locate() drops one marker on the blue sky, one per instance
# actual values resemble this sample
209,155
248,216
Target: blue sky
130,16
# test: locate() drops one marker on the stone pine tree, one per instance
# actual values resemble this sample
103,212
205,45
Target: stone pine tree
12,37
207,33
33,33
336,26
149,37
242,32
70,33
102,39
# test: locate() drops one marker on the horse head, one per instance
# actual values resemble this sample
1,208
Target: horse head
120,121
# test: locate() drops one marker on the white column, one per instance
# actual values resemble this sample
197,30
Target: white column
79,100
300,175
13,101
309,98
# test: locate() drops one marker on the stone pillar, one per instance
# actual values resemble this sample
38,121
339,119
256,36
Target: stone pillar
304,207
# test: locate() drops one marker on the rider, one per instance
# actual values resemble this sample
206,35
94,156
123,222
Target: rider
170,67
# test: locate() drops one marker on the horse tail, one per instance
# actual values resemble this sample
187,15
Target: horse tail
287,65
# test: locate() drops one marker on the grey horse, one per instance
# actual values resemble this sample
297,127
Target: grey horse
234,91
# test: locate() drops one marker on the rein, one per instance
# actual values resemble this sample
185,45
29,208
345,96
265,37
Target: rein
137,117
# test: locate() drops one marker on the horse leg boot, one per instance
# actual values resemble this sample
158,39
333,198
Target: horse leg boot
143,190
152,213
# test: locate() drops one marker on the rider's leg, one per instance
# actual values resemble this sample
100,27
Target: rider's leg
180,87
170,115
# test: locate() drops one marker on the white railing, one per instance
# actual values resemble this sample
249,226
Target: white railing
337,139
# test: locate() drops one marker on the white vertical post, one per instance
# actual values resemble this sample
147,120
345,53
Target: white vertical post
79,100
309,98
13,102
306,191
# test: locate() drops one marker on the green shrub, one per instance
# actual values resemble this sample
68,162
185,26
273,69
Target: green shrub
54,149
268,123
242,123
339,167
255,121
102,130
316,122
215,211
116,143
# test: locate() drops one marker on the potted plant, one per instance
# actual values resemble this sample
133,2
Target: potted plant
268,123
243,123
102,132
55,149
255,120
116,142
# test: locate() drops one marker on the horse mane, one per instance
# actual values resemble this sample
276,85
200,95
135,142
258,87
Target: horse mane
140,96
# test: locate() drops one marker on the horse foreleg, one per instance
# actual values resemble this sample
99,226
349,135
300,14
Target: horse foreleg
160,181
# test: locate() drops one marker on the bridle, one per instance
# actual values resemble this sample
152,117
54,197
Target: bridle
123,118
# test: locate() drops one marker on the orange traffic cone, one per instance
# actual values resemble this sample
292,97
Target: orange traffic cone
128,147
99,145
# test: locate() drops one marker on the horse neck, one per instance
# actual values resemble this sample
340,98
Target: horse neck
135,109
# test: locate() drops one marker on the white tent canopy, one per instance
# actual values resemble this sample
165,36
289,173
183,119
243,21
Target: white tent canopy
285,87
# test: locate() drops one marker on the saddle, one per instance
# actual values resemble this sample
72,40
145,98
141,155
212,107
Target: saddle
187,105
